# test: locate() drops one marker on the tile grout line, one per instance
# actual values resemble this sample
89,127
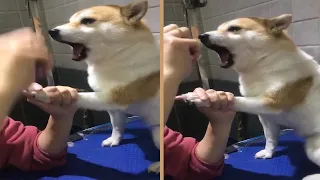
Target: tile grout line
237,10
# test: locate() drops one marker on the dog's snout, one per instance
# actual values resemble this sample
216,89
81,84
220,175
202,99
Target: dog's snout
203,37
54,33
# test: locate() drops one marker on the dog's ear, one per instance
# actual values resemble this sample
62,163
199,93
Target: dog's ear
134,12
279,23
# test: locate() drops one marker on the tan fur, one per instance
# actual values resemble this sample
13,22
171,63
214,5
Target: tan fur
138,90
290,95
110,13
262,26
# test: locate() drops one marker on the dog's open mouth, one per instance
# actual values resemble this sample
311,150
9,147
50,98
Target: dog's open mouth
80,51
226,58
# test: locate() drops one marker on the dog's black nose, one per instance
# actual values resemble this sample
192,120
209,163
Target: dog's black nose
203,37
54,33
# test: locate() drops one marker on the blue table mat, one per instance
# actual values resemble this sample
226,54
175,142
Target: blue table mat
88,160
290,161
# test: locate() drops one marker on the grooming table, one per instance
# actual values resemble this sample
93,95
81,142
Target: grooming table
88,160
290,161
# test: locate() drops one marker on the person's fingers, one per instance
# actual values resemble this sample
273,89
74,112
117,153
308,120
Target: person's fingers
230,97
54,94
214,99
27,94
65,96
182,32
223,100
195,56
170,27
41,51
185,32
201,93
34,87
21,32
179,98
210,91
42,105
74,94
175,33
192,43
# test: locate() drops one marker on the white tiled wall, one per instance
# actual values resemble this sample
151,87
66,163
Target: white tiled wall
59,11
13,15
173,14
305,29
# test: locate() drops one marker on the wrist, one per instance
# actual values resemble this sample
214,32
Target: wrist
58,124
62,117
220,121
172,75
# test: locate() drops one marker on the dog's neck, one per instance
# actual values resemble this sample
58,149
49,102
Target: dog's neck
123,63
278,63
122,53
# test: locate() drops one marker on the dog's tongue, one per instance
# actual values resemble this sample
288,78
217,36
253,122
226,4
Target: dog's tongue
77,49
224,58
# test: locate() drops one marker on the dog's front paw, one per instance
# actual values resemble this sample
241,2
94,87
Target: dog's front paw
41,96
154,168
312,177
111,141
191,97
263,154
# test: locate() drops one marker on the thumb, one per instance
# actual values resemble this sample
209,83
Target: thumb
34,87
179,97
37,103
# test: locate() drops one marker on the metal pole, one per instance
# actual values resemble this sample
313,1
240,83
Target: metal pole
193,19
33,8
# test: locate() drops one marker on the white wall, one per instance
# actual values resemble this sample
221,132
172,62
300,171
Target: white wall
13,15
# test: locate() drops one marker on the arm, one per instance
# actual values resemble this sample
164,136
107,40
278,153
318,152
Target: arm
181,161
21,150
212,147
7,100
53,139
171,85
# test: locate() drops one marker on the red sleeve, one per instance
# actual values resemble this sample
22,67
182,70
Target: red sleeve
181,161
22,151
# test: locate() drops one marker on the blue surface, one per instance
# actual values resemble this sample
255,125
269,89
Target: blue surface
88,160
289,162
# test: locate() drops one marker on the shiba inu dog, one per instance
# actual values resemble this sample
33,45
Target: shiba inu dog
278,81
123,64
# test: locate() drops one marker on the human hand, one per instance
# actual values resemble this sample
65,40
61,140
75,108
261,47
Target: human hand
23,56
218,106
180,50
61,100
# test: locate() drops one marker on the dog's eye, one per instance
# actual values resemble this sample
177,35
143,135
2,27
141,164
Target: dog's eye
234,28
87,21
